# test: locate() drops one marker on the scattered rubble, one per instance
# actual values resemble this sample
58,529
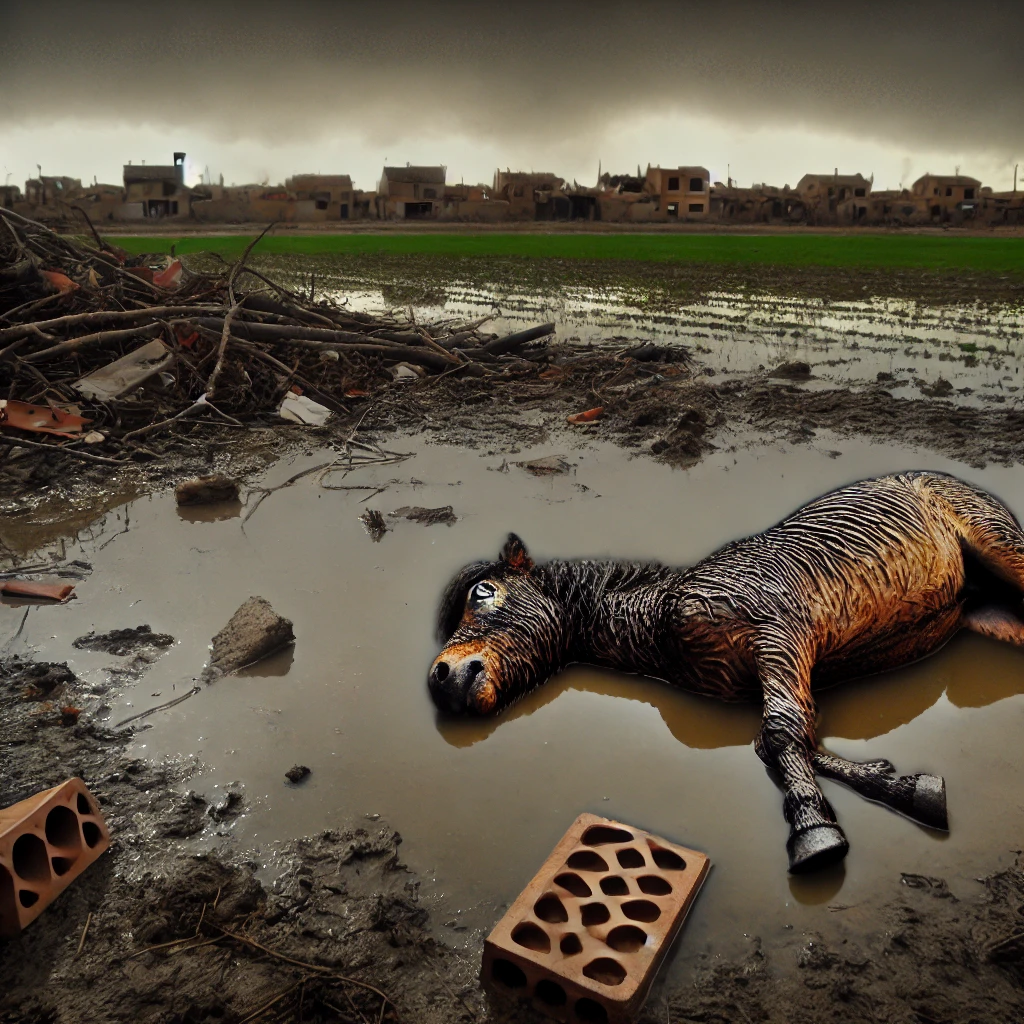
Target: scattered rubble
792,371
132,355
39,868
550,465
300,409
34,590
374,524
252,633
122,642
206,490
427,516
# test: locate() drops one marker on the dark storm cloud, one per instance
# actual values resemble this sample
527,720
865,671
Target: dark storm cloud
941,74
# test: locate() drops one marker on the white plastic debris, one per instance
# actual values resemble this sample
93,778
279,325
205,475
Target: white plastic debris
300,409
405,371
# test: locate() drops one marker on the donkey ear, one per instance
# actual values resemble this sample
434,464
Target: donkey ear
515,555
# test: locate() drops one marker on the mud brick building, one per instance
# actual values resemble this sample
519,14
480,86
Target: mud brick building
321,196
759,204
951,198
682,193
411,193
156,191
49,190
473,203
531,195
835,198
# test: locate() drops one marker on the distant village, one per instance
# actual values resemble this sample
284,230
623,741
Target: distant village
151,193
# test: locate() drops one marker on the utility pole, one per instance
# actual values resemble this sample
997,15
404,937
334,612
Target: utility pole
1015,166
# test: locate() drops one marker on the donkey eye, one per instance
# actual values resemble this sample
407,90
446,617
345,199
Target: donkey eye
483,594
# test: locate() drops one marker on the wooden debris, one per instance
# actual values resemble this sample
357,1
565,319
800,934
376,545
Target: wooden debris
91,324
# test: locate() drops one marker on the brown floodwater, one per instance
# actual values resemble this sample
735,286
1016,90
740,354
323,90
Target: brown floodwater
968,353
481,803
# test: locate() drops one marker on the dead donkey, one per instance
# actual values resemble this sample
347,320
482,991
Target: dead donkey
865,579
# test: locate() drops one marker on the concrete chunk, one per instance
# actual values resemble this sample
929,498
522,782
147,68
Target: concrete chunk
254,631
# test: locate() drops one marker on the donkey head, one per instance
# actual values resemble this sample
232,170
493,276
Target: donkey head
503,634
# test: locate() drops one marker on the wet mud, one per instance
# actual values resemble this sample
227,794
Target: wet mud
686,455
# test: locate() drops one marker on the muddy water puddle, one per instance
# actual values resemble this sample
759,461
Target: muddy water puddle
967,353
481,803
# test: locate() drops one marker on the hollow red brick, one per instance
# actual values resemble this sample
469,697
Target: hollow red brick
586,937
46,842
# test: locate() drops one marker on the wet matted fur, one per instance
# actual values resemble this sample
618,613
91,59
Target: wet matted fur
867,578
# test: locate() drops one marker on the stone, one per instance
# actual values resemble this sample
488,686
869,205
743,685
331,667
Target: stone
253,632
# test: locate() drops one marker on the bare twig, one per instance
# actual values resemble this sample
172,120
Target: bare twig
20,442
85,931
211,384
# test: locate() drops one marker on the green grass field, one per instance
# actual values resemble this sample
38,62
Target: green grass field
993,255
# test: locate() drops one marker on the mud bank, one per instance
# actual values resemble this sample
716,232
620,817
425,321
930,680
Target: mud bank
342,903
332,927
155,933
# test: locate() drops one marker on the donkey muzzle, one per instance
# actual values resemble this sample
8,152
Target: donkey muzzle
460,684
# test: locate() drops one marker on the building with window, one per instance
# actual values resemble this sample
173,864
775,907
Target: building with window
950,197
835,198
157,191
411,193
682,193
322,196
531,195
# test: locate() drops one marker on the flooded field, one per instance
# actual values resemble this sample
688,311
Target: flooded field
967,351
481,803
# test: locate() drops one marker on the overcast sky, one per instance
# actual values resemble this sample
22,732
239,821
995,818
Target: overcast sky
261,90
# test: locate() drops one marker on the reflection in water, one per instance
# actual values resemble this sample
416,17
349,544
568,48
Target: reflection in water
972,671
858,710
818,887
974,348
480,803
210,513
278,664
58,518
698,722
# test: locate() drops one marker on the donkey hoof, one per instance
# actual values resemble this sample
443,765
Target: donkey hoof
929,805
816,848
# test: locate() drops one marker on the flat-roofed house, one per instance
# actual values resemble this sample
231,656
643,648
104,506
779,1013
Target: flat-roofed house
411,193
327,196
682,193
156,190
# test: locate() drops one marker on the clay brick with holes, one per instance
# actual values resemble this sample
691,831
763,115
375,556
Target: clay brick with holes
586,937
46,842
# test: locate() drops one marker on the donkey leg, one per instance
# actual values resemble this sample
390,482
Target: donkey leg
785,743
921,797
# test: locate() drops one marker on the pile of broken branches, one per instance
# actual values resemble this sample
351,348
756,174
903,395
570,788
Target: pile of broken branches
100,350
